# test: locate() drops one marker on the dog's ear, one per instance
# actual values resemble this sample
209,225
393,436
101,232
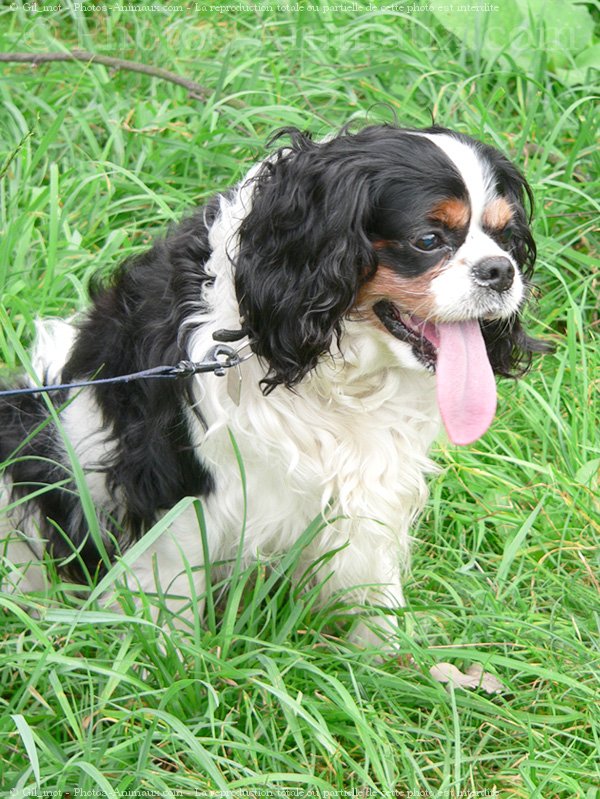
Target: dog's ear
303,252
509,347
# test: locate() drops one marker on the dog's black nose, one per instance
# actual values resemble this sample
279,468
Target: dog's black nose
495,273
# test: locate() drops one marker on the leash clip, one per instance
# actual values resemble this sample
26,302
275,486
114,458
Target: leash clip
231,358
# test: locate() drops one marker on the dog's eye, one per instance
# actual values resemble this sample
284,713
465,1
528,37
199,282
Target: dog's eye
507,235
428,242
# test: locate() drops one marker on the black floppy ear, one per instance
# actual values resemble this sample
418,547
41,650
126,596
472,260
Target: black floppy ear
510,348
302,252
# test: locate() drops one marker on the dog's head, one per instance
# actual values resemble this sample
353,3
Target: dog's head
422,234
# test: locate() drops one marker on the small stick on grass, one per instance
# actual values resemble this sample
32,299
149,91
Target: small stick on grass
196,90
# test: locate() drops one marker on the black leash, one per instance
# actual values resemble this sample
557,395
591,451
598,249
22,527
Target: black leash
230,359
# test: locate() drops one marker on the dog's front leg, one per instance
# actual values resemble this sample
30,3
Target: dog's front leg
362,575
172,567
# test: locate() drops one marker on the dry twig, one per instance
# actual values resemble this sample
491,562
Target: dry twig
196,90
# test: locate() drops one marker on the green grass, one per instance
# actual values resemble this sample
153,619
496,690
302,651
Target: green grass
266,694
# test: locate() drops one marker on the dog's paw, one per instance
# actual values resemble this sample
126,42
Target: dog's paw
473,677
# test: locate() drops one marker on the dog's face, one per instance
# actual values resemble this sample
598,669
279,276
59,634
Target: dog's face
421,235
451,238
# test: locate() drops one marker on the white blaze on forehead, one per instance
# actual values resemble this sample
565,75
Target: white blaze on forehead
475,173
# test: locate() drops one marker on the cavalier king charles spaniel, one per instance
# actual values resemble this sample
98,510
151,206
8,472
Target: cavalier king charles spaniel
375,280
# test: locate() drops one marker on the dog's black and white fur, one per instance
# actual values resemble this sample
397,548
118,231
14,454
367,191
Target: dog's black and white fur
342,260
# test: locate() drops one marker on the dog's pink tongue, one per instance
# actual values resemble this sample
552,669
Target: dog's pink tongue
466,389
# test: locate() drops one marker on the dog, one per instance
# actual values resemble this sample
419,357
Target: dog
374,282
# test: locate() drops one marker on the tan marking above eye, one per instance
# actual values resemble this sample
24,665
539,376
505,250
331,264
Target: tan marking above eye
452,212
497,214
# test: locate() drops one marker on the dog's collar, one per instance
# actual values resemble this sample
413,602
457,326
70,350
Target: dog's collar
227,335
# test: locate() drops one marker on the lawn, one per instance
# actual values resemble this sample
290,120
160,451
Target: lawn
266,697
